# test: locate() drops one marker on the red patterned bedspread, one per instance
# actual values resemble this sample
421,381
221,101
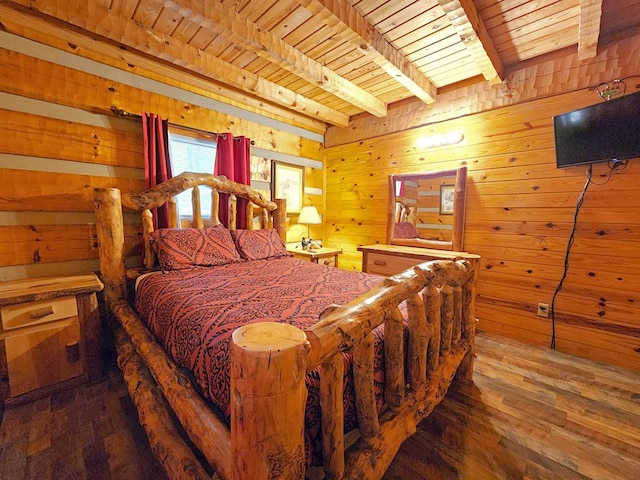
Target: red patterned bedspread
194,312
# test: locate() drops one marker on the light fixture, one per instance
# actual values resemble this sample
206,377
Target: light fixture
440,140
309,215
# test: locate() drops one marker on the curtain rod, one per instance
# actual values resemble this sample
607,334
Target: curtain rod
123,113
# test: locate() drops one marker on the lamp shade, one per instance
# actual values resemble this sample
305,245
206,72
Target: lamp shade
309,215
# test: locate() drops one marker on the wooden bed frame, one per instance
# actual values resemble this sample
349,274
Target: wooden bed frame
405,211
270,360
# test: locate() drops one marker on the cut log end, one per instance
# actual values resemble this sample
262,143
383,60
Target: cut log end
268,337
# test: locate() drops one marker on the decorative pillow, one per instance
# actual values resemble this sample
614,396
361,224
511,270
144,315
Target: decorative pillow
405,230
190,247
259,244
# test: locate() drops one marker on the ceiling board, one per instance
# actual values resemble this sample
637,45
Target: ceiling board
350,56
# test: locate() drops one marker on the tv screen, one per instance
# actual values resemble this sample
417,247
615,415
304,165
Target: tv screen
606,131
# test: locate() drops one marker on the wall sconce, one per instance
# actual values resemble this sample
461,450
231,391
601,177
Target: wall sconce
440,140
309,215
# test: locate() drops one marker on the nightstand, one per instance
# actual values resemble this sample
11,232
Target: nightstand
323,256
50,336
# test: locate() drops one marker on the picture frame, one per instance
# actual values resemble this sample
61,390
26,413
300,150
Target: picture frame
288,183
447,196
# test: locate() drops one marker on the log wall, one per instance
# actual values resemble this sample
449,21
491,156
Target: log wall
520,209
59,138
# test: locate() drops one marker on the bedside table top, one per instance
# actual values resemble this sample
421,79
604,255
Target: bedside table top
316,252
34,289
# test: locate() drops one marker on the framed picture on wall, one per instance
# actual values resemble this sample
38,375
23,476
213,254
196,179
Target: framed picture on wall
447,193
288,183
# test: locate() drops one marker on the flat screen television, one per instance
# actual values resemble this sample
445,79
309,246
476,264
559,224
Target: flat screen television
609,130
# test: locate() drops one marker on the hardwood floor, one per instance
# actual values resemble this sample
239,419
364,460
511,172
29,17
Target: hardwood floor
86,433
531,413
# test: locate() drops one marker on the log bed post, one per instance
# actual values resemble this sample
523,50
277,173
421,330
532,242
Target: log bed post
280,218
110,230
268,398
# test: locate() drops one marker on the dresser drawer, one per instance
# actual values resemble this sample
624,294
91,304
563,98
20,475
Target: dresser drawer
33,313
389,264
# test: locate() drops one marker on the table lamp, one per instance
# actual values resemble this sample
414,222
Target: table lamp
309,215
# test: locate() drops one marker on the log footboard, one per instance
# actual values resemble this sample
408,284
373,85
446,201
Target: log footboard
441,319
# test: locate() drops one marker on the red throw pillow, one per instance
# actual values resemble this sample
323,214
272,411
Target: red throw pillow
181,248
405,230
259,244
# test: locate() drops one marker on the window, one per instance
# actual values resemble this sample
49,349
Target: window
191,154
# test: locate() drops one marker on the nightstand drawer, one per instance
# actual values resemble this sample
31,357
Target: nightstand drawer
45,355
33,313
331,261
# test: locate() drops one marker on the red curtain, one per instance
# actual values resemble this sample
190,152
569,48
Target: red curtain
157,167
233,161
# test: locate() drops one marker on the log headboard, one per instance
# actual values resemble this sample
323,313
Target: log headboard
109,203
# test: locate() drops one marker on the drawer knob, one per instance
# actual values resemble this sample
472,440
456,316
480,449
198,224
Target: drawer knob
380,263
73,352
42,312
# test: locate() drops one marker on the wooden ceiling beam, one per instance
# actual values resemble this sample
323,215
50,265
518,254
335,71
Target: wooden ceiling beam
97,19
465,19
589,31
347,22
228,23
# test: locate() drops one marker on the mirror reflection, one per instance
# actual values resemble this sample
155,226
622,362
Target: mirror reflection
427,209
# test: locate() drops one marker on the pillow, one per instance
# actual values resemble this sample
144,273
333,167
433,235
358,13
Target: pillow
259,244
179,248
405,230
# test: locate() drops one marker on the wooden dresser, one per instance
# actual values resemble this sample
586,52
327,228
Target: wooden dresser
50,336
391,259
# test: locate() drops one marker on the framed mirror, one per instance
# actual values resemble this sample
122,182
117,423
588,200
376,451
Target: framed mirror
427,209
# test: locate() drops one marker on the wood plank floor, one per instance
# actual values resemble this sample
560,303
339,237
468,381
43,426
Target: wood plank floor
531,413
85,433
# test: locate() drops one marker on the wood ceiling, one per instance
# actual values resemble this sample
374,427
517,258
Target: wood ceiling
332,59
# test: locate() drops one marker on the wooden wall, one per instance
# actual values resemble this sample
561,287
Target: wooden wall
519,212
59,139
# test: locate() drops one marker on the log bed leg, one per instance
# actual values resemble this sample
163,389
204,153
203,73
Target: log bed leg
464,373
268,397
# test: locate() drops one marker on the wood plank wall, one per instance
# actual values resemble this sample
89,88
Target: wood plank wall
59,138
519,214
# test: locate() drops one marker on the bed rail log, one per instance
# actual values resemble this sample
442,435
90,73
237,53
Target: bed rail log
432,360
166,442
207,432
